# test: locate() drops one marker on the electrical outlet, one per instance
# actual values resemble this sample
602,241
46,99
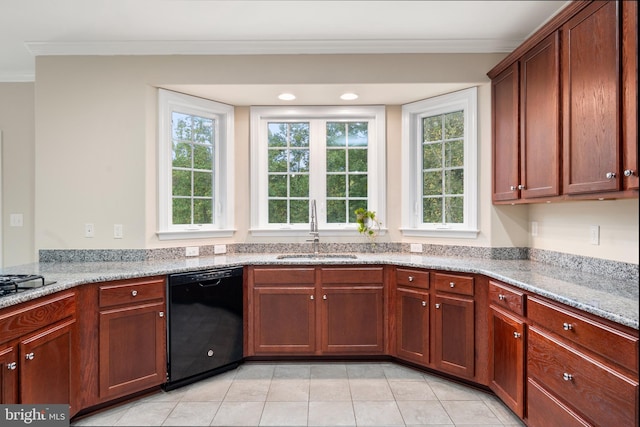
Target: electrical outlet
117,231
192,251
416,248
534,228
89,231
219,249
16,220
594,234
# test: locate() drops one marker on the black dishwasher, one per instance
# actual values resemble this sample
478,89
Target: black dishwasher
204,336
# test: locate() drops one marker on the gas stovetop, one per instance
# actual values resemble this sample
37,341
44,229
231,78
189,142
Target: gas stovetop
15,283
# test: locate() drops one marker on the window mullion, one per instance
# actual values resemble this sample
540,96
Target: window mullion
318,167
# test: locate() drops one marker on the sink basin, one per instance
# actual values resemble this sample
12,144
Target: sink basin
319,256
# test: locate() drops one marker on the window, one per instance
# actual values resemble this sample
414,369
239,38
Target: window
439,165
195,167
334,155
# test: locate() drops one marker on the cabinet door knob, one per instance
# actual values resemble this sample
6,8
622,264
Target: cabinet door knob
567,326
452,285
629,172
311,297
29,356
513,188
517,335
521,187
424,303
161,314
134,293
437,305
324,297
411,278
610,175
567,377
502,297
12,366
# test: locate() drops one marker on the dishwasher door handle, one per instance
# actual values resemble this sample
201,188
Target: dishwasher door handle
209,284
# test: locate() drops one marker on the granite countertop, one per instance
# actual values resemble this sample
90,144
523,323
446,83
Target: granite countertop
609,298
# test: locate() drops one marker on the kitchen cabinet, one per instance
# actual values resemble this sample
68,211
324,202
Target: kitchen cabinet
507,343
454,324
37,353
630,94
283,319
412,315
582,369
590,100
132,336
352,310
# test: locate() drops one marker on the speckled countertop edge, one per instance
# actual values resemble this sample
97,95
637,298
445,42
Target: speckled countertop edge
609,298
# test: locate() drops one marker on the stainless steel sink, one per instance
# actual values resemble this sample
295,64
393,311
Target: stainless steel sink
319,256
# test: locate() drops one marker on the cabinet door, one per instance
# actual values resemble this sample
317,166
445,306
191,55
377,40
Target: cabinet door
506,358
505,151
412,323
630,93
540,115
352,320
132,349
8,375
284,320
454,339
45,368
591,100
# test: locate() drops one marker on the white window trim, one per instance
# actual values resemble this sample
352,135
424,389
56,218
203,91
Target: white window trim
223,226
376,159
412,115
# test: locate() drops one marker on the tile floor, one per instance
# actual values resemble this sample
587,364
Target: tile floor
314,394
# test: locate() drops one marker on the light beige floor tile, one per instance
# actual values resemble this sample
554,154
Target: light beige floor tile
412,390
447,390
292,371
211,389
366,370
192,414
325,390
399,372
255,371
238,414
288,390
329,371
470,412
105,418
331,414
418,412
504,414
146,414
245,390
285,414
380,413
370,389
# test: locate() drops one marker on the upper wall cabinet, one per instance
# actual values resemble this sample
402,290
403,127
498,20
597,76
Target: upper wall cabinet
564,108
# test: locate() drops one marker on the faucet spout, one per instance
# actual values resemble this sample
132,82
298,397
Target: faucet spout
313,223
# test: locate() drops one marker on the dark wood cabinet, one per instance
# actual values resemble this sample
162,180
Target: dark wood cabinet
591,100
37,354
412,325
630,94
132,336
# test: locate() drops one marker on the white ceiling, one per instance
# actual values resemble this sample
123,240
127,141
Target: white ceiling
29,28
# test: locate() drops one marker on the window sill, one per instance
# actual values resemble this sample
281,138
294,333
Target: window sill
457,234
287,232
194,234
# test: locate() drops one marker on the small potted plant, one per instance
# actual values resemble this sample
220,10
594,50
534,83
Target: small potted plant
368,223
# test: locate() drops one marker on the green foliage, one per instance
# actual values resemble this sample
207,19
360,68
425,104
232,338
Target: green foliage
367,222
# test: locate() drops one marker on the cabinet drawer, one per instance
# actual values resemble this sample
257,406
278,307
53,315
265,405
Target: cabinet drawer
35,315
284,276
598,392
543,407
351,276
128,292
413,278
453,283
597,337
507,297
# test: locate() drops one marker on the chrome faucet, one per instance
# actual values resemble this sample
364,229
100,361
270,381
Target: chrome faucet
314,228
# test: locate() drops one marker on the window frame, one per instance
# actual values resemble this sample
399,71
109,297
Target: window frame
412,179
316,115
223,145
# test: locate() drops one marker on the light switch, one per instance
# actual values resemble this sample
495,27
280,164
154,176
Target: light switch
16,220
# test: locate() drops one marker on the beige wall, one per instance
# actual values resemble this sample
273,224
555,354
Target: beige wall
16,124
95,156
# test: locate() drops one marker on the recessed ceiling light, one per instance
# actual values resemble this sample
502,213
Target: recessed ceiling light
349,96
286,97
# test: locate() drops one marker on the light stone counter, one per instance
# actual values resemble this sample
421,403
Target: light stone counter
604,296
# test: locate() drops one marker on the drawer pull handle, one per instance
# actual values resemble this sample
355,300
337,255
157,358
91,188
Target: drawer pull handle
424,303
411,278
134,293
517,335
29,356
161,314
437,305
567,377
452,284
12,366
567,326
502,297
